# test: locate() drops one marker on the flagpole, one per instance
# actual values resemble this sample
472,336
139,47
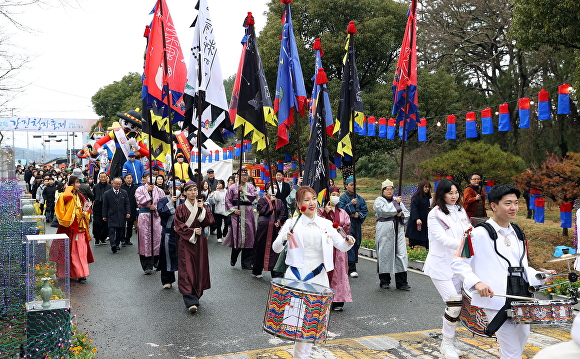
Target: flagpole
198,113
240,181
351,120
168,96
405,109
270,163
299,153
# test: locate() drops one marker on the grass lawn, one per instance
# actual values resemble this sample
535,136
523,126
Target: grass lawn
542,238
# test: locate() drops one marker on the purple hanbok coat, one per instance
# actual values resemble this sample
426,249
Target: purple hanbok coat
144,224
243,230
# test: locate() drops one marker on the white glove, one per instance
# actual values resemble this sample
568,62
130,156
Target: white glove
101,151
133,143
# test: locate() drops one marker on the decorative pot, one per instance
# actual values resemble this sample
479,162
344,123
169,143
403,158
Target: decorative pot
46,293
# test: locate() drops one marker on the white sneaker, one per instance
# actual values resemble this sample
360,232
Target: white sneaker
448,349
167,286
219,240
193,309
258,276
354,275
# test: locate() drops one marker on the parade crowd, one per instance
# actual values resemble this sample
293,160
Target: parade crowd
287,232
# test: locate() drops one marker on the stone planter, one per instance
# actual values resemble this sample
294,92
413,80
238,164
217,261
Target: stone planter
418,265
367,252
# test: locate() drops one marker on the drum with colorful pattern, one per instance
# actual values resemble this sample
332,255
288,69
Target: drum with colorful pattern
298,310
472,317
542,312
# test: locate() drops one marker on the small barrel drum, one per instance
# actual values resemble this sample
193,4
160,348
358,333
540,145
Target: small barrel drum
298,310
542,312
472,317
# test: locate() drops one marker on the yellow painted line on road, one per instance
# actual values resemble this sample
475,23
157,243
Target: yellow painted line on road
420,344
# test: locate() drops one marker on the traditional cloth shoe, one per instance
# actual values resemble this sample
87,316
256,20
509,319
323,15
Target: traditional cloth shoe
167,286
148,271
354,275
193,309
219,240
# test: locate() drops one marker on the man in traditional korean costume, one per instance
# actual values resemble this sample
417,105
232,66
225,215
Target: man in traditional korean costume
243,230
148,196
191,221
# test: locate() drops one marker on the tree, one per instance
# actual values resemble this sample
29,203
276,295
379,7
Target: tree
469,157
120,96
546,22
558,178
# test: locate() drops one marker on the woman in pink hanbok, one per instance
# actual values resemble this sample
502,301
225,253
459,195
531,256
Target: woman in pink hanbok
339,276
147,196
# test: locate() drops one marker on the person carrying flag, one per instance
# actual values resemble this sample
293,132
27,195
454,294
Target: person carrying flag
356,207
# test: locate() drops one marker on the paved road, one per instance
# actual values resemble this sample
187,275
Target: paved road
129,314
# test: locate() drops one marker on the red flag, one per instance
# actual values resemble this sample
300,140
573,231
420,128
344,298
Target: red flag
157,73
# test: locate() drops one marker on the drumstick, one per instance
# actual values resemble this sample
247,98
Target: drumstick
512,296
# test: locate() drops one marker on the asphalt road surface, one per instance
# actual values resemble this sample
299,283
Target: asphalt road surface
129,315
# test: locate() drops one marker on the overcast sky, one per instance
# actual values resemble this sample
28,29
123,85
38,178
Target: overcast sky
81,48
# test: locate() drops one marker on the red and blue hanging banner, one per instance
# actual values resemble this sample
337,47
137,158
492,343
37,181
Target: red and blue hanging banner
361,130
486,122
391,129
544,112
371,126
566,215
564,99
539,204
332,171
422,130
489,185
451,129
470,125
504,123
280,165
337,159
524,112
382,127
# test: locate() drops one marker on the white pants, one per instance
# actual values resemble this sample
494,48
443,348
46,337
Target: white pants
447,288
512,338
302,350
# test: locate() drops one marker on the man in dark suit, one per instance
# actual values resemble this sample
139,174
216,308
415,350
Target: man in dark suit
100,227
283,189
129,186
116,210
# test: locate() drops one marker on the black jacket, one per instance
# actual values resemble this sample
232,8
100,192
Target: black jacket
116,208
99,190
132,200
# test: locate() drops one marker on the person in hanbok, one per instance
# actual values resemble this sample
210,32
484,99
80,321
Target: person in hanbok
168,251
148,231
73,218
271,216
338,278
311,239
447,223
390,240
243,231
191,221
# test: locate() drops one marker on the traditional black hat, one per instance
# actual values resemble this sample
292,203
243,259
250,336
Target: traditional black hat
132,116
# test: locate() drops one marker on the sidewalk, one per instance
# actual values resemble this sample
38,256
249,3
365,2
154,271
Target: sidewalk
422,345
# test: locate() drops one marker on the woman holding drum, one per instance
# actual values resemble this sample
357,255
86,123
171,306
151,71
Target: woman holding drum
446,223
310,240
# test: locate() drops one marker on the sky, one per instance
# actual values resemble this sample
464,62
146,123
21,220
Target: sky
78,49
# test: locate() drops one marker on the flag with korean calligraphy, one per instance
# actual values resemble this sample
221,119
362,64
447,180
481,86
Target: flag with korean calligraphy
316,168
161,77
290,90
504,123
251,102
204,90
405,94
564,99
524,112
544,112
470,125
329,120
451,129
350,107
